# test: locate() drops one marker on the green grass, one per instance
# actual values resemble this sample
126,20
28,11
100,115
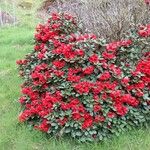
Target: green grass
15,42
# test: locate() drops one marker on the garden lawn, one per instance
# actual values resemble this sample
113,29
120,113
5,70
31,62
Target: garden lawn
15,42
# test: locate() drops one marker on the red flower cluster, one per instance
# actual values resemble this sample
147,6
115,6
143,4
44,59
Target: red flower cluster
83,87
111,48
88,70
144,68
144,30
58,64
93,58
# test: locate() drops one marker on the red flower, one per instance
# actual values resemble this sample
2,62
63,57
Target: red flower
111,115
68,17
27,90
59,64
74,101
22,100
65,106
83,87
41,55
143,33
116,70
79,52
59,73
39,27
107,55
139,93
115,94
44,126
56,43
125,80
127,98
94,58
97,107
111,47
105,76
99,119
55,16
56,26
96,97
104,96
88,70
43,113
69,55
21,62
36,47
22,117
38,78
126,43
87,123
76,116
121,110
25,115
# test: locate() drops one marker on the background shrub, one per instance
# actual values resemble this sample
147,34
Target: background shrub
78,85
106,18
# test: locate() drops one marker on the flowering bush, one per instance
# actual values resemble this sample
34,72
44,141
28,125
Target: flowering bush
78,85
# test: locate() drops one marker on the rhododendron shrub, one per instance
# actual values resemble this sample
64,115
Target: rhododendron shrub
78,85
